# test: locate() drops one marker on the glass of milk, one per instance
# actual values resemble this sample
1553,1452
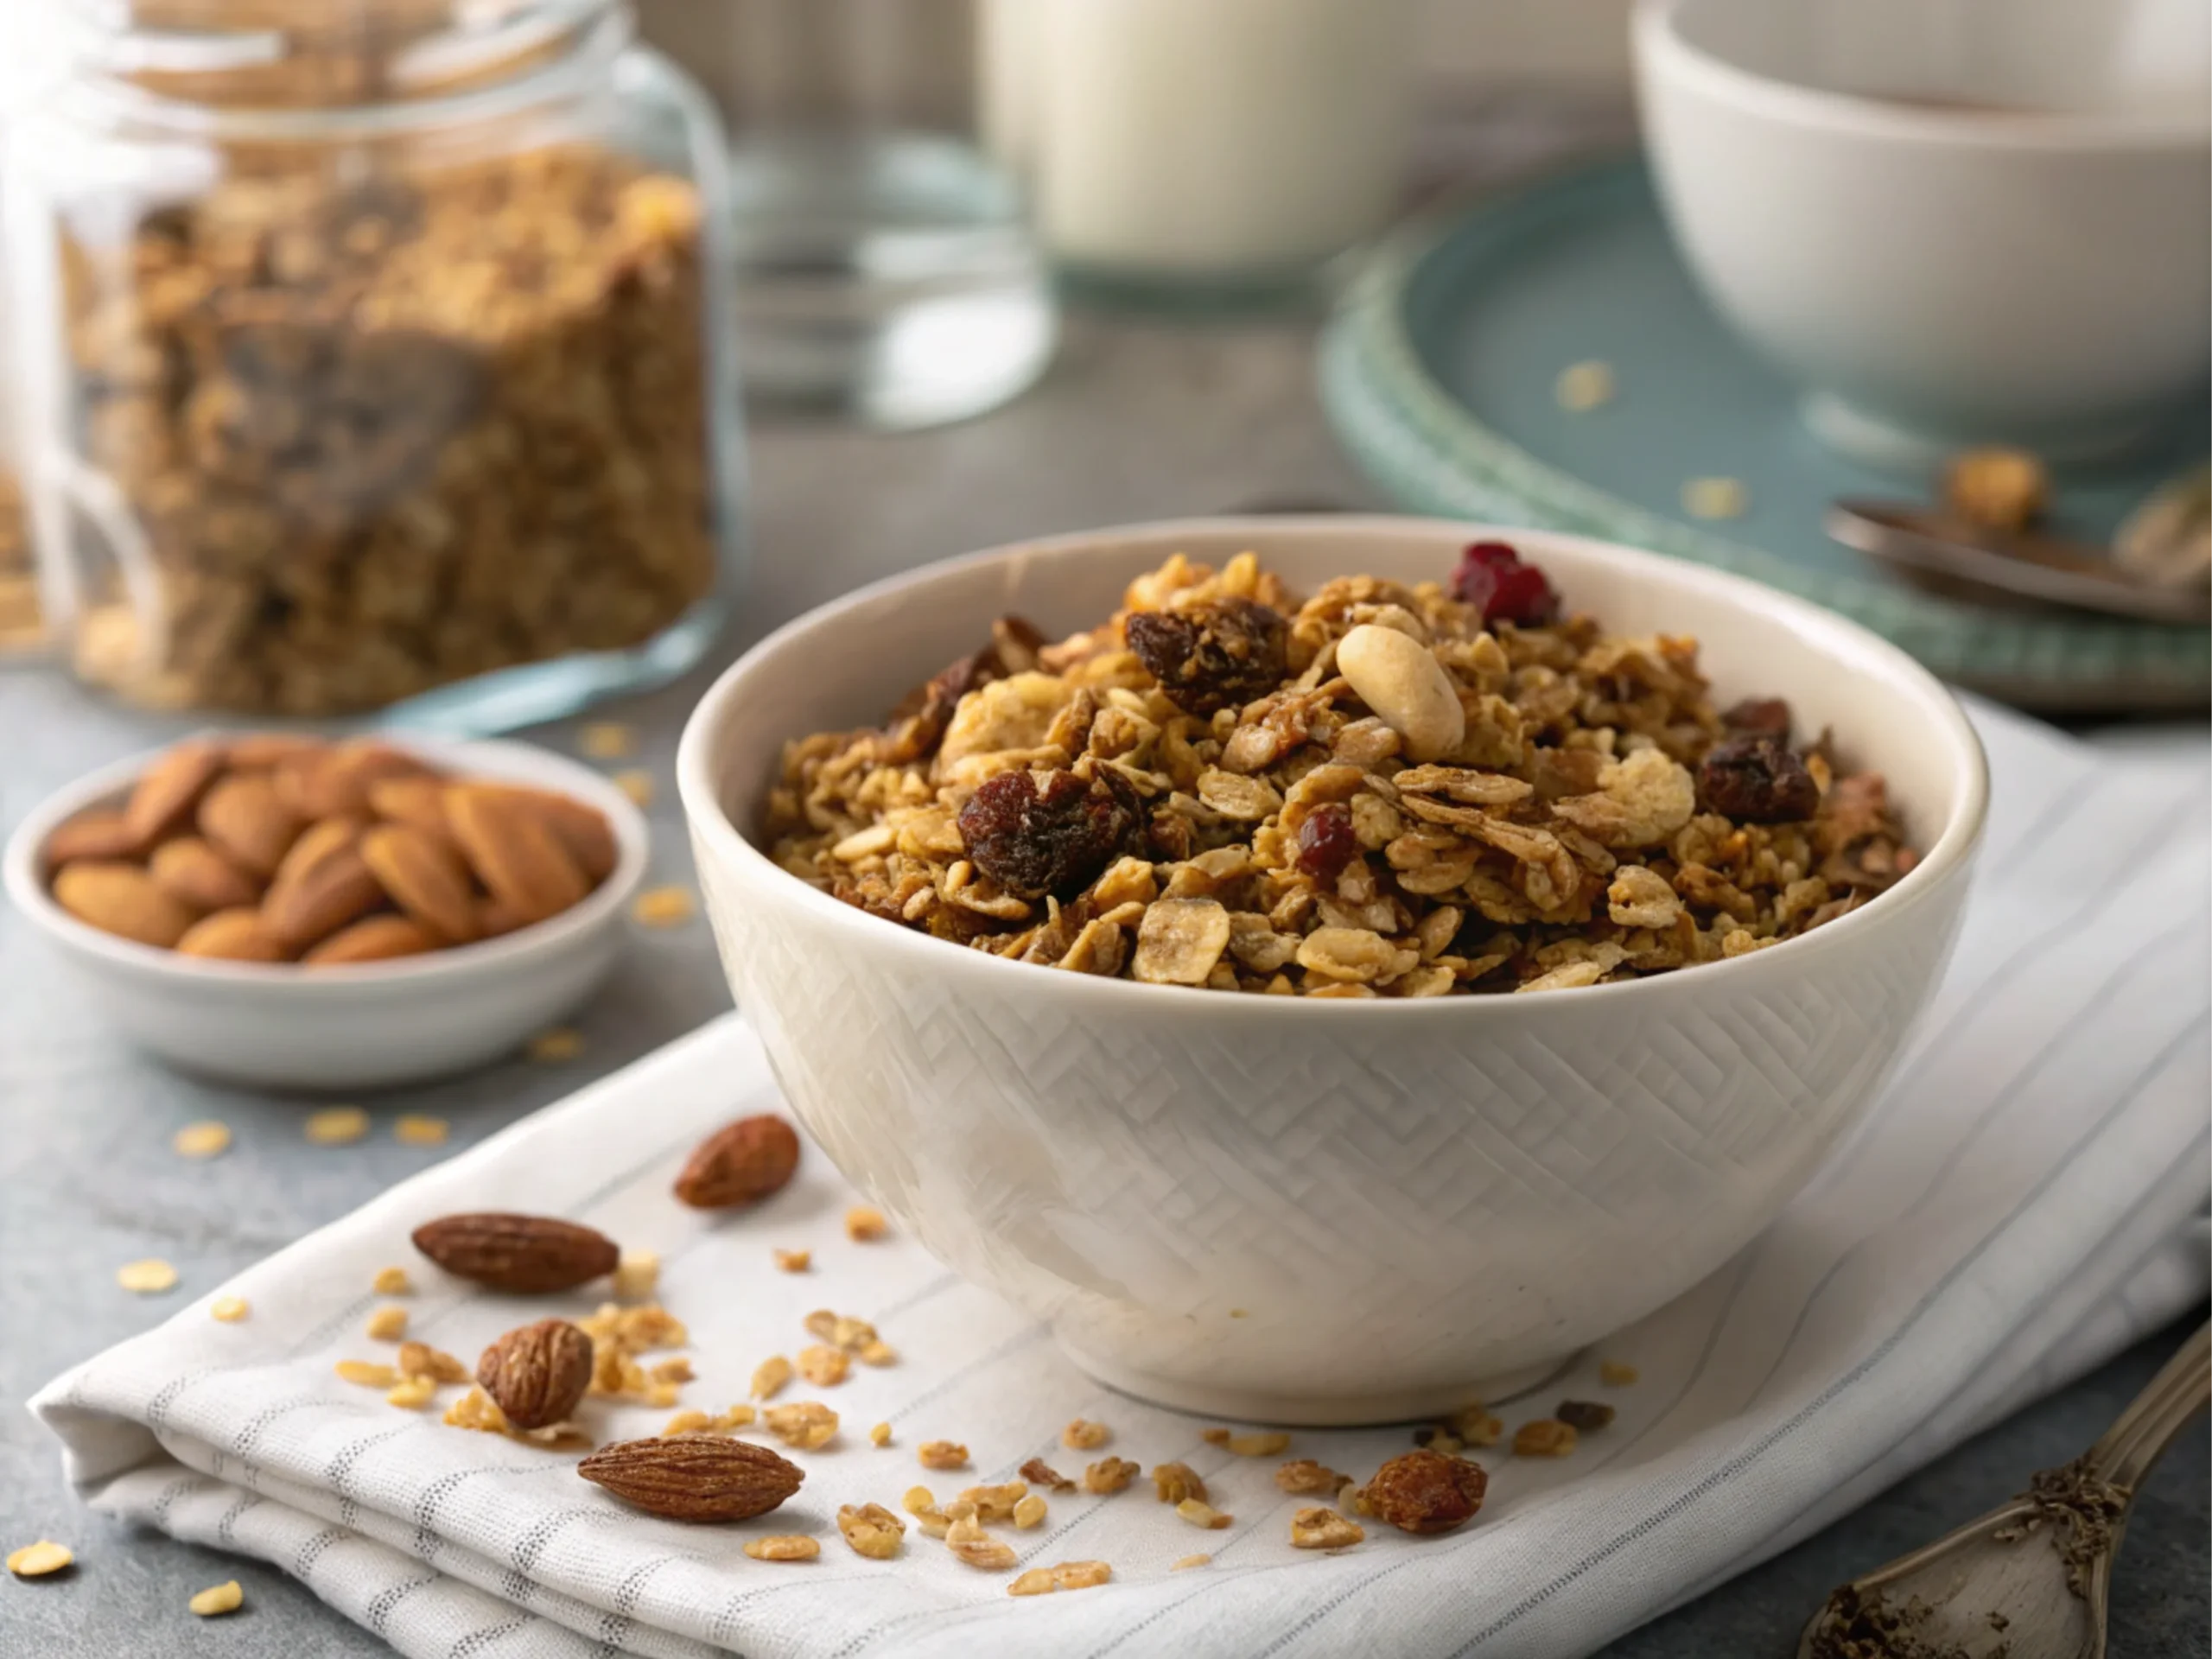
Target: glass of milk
1200,146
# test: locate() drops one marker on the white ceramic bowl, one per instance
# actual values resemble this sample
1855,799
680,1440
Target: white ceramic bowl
1982,220
364,1026
1278,1209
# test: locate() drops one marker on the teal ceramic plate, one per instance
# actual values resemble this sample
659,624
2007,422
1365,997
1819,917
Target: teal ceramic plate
1438,370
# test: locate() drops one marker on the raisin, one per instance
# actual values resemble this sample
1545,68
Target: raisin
1759,717
1211,657
1034,841
1583,1415
1492,578
1756,780
1326,840
1427,1491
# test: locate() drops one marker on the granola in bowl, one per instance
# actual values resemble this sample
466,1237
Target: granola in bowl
1377,789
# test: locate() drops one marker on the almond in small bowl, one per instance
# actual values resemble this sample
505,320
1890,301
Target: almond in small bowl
295,914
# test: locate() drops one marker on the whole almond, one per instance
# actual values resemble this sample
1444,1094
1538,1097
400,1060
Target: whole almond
425,878
241,814
230,935
514,850
582,829
418,801
166,790
321,885
97,834
740,1163
537,1374
122,899
688,1478
188,868
527,1255
336,781
374,939
258,751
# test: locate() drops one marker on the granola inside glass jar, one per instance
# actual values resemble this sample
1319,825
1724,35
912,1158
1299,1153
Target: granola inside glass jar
370,347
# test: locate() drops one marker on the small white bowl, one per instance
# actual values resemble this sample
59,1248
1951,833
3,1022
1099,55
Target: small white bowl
368,1025
1983,221
1291,1209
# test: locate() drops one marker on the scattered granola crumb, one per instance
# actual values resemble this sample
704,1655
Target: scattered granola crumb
993,1503
147,1278
605,740
636,1273
678,1370
552,1047
1997,489
687,1422
1199,1513
420,1359
1437,1439
204,1140
1714,498
1258,1445
387,1324
1584,386
637,783
1307,1476
1615,1375
1083,1435
1175,1482
1583,1415
1424,1491
670,907
771,1375
1214,1436
942,1455
824,1366
871,1530
1037,1581
228,1309
783,1547
1543,1437
1038,1473
967,1540
37,1561
1235,1313
1472,1424
878,1352
392,1281
793,1260
218,1600
880,1436
1029,1511
1188,1562
368,1373
412,1393
919,1500
336,1126
864,1223
1323,1528
413,1129
809,1425
1108,1475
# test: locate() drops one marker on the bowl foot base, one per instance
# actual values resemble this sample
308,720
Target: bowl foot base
1876,441
1293,1410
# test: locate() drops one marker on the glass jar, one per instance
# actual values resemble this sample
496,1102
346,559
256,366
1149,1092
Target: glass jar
369,347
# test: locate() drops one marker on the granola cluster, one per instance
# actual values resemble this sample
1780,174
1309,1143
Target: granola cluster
1380,791
385,423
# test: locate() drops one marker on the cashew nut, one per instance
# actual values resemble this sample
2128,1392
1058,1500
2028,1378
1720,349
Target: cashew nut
1402,681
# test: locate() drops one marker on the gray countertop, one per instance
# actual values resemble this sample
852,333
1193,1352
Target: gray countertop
1137,420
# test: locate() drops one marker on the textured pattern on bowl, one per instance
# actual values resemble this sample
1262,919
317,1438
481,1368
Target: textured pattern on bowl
1350,1212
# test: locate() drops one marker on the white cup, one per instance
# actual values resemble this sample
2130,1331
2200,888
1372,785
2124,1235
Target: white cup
1950,221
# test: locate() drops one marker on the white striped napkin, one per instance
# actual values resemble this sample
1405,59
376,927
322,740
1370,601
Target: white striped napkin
2023,1204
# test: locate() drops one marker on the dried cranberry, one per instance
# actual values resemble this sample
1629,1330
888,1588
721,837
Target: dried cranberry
1759,717
1326,840
1493,579
1211,657
1756,780
1035,840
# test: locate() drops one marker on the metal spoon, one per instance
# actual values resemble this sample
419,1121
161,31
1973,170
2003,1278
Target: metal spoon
1946,551
2029,1581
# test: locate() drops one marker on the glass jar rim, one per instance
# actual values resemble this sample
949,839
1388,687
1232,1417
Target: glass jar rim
477,59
